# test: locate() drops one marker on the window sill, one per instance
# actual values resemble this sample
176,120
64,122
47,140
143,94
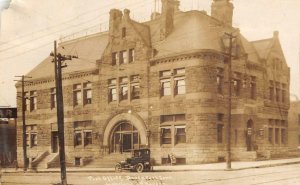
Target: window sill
167,97
87,105
180,145
179,96
166,145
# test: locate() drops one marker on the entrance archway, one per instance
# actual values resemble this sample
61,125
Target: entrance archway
125,131
124,138
249,135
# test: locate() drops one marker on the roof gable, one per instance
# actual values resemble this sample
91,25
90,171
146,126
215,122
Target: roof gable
87,49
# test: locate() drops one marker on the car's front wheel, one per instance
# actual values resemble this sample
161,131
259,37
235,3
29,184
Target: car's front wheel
118,167
139,167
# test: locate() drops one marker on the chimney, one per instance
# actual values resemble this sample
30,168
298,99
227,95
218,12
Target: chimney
223,11
167,17
126,14
115,18
276,34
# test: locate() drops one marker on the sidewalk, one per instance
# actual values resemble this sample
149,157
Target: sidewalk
198,167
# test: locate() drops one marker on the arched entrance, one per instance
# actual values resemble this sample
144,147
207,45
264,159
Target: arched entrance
249,135
124,138
124,132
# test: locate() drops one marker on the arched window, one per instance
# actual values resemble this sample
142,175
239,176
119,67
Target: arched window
124,138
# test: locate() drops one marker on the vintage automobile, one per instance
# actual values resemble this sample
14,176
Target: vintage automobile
139,162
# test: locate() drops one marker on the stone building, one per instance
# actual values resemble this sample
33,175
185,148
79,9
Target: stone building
294,125
161,84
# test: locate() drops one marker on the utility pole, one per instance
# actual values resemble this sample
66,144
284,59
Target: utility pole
58,59
23,120
228,130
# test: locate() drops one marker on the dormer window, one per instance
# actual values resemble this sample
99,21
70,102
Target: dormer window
123,32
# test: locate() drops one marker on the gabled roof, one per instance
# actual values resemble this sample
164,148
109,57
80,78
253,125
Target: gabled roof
193,30
88,49
249,49
263,47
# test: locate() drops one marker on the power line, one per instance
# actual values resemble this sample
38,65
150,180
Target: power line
64,29
63,23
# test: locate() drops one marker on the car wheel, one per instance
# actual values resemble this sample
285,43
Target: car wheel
139,167
118,168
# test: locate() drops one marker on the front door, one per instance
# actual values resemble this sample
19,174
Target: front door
54,144
127,140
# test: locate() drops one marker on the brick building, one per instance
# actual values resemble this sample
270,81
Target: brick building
161,84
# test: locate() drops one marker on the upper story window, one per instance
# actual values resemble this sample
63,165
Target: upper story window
53,97
114,58
172,84
135,87
236,84
123,32
87,93
33,100
123,88
112,94
277,91
165,87
123,57
271,90
283,92
77,94
220,77
179,81
27,101
253,87
30,100
131,55
127,88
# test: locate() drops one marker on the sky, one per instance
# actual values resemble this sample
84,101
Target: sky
29,27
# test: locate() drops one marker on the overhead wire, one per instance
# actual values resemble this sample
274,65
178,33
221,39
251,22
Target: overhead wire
63,23
5,58
64,29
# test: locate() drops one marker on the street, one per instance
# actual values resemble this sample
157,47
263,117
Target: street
279,175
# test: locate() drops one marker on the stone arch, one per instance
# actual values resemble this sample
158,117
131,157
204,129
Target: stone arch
133,119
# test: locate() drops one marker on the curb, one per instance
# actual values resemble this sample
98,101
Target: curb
101,170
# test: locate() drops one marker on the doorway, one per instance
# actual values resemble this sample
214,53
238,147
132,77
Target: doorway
249,135
124,138
126,144
54,141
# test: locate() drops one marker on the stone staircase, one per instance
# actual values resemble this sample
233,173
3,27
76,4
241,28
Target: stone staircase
48,161
108,160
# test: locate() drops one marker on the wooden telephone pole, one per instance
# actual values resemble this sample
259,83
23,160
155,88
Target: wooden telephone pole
228,128
58,59
24,120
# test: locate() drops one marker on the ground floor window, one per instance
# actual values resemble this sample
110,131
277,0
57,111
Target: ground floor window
31,135
166,136
83,133
124,138
220,133
277,132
